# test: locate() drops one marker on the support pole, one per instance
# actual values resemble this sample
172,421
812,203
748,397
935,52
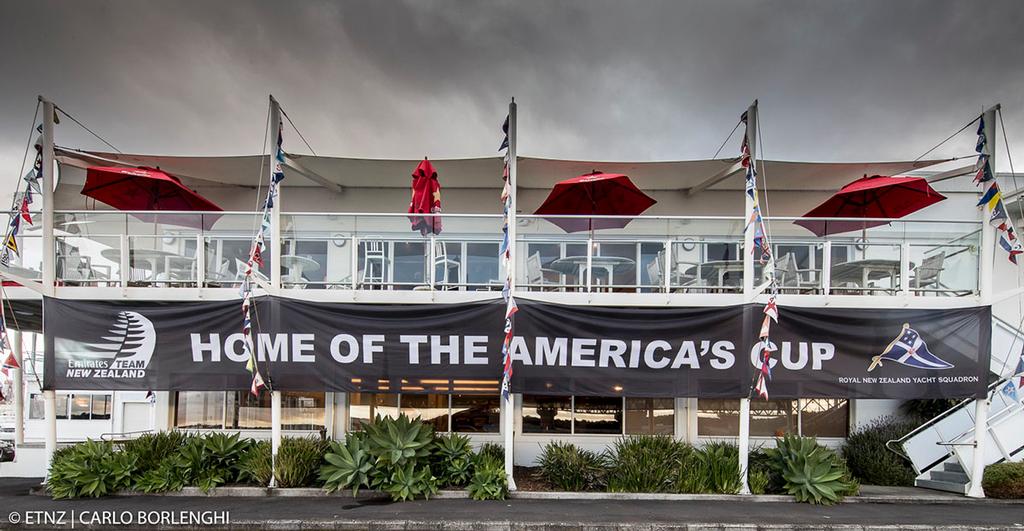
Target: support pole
986,257
19,390
275,211
275,433
50,414
748,292
49,246
508,405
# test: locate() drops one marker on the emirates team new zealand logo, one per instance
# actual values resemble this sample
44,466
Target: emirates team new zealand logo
124,353
910,349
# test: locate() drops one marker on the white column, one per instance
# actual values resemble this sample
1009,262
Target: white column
275,211
275,431
744,444
986,257
50,416
507,409
749,254
19,390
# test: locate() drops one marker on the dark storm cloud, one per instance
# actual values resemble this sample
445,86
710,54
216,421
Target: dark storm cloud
839,80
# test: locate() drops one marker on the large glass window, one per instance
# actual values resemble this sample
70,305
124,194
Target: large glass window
199,410
214,410
432,409
774,418
71,406
476,413
598,414
547,414
650,416
363,407
101,406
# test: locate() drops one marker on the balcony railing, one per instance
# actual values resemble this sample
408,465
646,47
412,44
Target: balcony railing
648,254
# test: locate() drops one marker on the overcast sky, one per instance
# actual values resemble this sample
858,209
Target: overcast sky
836,80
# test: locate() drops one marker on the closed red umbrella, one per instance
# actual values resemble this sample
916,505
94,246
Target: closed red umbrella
426,199
147,189
595,194
876,196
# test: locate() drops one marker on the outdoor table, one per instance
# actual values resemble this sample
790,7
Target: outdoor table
158,260
716,270
296,265
860,272
577,265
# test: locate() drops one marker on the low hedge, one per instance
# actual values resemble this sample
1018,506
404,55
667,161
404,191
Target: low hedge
870,461
1004,480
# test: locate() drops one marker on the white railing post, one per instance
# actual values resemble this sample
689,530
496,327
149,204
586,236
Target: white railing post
355,262
123,262
904,286
744,444
668,267
590,264
826,268
200,260
275,433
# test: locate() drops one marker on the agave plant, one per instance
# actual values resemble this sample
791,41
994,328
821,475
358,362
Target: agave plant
397,441
813,473
92,469
348,465
453,459
489,481
409,481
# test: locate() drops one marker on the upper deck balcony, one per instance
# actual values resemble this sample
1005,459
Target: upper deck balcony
651,255
344,236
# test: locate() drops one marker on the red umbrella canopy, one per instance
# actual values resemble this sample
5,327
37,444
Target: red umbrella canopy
597,194
426,199
876,196
146,189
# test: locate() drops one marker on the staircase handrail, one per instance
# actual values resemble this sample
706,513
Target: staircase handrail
122,435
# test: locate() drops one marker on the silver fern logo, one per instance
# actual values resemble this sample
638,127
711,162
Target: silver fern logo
124,353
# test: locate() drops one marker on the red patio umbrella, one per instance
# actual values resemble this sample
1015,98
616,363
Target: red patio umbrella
426,199
876,196
596,194
147,189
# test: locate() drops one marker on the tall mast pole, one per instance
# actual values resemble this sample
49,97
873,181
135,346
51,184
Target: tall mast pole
509,403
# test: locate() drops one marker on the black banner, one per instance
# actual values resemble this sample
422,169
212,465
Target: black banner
584,350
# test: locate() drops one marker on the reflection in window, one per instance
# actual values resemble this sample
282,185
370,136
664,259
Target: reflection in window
199,410
482,264
476,413
81,405
825,417
432,409
363,407
302,411
101,405
598,414
771,418
650,416
248,412
547,414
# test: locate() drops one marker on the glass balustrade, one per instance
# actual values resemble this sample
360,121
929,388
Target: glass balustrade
650,254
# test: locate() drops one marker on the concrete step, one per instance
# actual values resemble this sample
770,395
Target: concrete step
953,466
950,477
941,485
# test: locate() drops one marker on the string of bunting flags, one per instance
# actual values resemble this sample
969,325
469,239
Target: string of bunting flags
505,254
992,198
21,210
763,245
259,246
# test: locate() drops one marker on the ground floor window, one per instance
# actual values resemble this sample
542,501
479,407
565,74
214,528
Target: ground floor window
458,413
214,410
598,415
74,406
811,417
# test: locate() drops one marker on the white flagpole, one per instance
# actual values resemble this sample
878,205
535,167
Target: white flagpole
49,271
508,405
987,257
748,294
276,246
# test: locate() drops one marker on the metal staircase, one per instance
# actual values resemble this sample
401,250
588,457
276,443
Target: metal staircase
942,449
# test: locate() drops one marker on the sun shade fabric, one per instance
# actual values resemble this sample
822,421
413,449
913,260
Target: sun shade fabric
876,196
426,199
599,194
146,189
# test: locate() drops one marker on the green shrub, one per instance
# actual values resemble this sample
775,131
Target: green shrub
452,462
255,465
492,451
1004,480
721,464
298,461
167,477
868,458
347,465
812,473
692,475
489,481
760,463
644,463
570,468
153,448
91,468
758,481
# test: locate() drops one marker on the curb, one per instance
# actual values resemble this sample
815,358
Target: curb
312,492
